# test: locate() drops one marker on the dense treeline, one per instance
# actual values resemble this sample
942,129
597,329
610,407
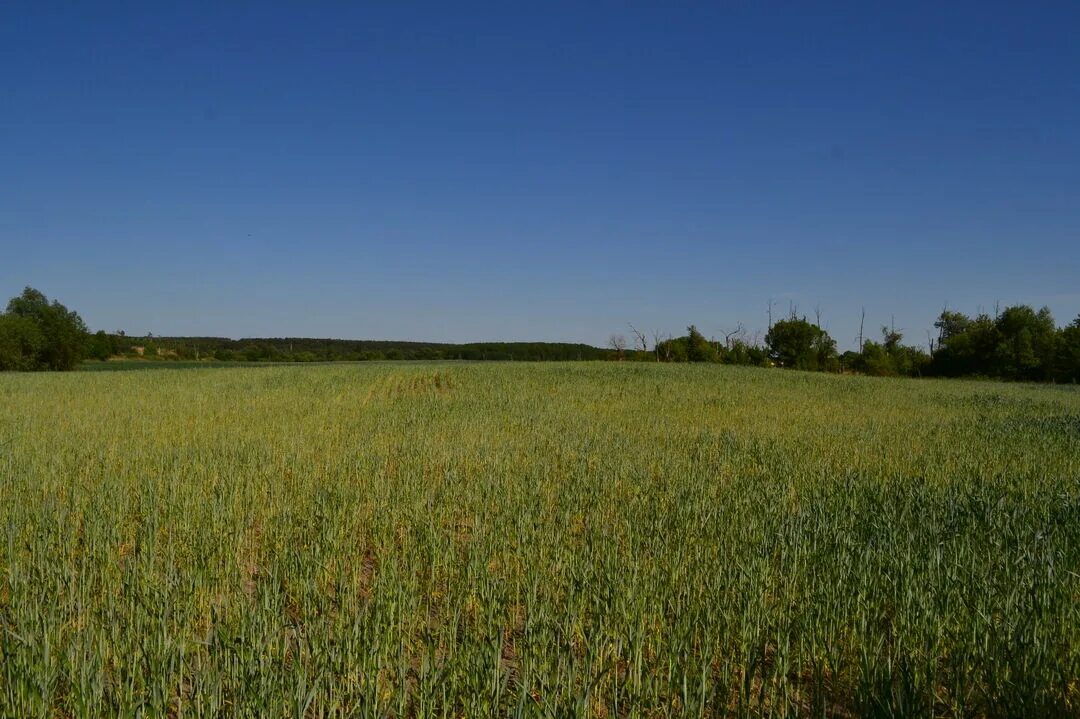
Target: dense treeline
38,335
300,349
1018,343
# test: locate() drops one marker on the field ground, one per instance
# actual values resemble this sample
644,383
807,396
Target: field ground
536,540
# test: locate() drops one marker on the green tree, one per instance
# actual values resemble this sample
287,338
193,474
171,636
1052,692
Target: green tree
20,343
672,350
101,346
744,353
875,360
950,324
966,346
799,344
698,349
63,333
890,357
1026,342
1020,343
1068,355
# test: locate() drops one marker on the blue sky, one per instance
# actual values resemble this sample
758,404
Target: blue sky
548,171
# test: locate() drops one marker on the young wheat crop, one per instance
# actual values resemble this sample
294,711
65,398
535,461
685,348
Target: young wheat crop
475,540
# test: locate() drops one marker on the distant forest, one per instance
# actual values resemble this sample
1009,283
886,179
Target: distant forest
1017,343
103,346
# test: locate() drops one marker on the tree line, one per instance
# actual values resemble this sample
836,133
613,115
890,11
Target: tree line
306,349
1017,343
36,334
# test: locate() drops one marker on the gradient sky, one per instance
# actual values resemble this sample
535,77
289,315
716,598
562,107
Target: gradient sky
547,171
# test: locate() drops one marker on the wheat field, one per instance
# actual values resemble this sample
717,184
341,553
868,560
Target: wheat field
537,540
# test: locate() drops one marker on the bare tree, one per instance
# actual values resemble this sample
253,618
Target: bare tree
658,340
941,329
862,320
617,343
640,337
770,313
738,332
817,315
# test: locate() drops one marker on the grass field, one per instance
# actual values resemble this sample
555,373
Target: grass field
609,540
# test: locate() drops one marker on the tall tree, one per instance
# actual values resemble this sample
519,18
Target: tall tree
698,349
63,333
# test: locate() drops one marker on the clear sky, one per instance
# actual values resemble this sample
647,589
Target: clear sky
548,171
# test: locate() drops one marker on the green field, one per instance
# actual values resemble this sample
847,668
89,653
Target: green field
559,540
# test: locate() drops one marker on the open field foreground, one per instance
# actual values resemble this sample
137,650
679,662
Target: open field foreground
607,540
